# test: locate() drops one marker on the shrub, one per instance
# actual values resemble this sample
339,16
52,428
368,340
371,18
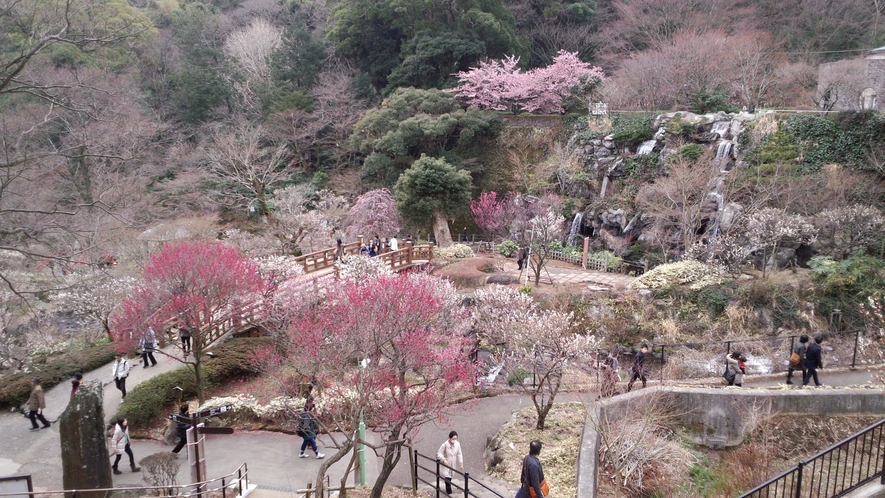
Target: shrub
707,101
52,370
641,168
630,131
693,273
149,399
508,248
691,152
713,299
457,251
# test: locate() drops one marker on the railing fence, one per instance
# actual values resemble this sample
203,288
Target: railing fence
432,466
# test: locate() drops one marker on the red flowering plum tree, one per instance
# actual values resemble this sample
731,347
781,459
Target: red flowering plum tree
195,284
392,348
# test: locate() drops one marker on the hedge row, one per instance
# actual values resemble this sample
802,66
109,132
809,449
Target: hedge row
53,370
151,398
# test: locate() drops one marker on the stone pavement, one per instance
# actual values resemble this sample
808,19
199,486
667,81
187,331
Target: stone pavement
567,274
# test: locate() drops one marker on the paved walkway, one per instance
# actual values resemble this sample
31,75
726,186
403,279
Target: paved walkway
567,274
272,457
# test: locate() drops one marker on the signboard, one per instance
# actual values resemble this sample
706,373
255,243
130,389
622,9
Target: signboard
20,483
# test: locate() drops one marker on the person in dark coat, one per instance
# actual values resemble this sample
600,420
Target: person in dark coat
532,473
813,361
181,429
799,349
76,382
307,429
638,368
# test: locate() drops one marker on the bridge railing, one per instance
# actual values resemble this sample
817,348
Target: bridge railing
835,471
399,259
325,258
427,470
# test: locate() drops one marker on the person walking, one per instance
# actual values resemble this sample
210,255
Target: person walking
307,429
148,344
638,368
184,333
609,378
393,243
531,479
799,350
36,404
121,371
76,382
520,258
120,444
733,369
449,454
813,361
339,250
181,428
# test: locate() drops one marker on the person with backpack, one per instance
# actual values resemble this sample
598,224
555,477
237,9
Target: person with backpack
148,344
799,357
121,371
307,429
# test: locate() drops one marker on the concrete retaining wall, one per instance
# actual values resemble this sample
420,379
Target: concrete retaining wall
725,415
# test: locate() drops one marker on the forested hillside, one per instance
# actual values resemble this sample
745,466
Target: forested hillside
115,115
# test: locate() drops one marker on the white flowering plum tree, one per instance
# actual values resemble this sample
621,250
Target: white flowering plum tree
536,341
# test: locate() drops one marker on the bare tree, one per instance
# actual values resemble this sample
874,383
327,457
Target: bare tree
53,129
674,204
245,159
250,50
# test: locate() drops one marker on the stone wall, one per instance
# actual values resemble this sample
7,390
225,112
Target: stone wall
723,415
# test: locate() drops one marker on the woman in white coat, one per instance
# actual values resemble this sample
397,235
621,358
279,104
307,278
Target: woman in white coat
449,454
120,443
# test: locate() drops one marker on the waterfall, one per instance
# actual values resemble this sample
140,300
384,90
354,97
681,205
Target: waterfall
576,225
604,186
721,127
723,151
646,147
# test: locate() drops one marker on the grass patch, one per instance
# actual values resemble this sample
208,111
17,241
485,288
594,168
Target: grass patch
560,441
151,398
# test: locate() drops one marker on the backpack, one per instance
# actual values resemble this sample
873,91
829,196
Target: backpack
303,426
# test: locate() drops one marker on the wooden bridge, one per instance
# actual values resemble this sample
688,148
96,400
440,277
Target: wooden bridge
408,257
320,275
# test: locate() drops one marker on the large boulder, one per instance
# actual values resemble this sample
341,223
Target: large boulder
84,446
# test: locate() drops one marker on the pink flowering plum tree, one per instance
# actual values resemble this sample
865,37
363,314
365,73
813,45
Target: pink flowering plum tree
374,213
502,86
392,348
194,283
493,214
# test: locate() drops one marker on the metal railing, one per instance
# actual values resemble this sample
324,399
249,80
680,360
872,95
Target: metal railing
238,479
433,466
835,471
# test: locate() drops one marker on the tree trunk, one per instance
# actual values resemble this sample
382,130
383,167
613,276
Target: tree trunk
321,473
391,457
441,229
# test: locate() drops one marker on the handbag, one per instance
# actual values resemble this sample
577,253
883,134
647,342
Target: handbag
794,359
544,489
729,376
